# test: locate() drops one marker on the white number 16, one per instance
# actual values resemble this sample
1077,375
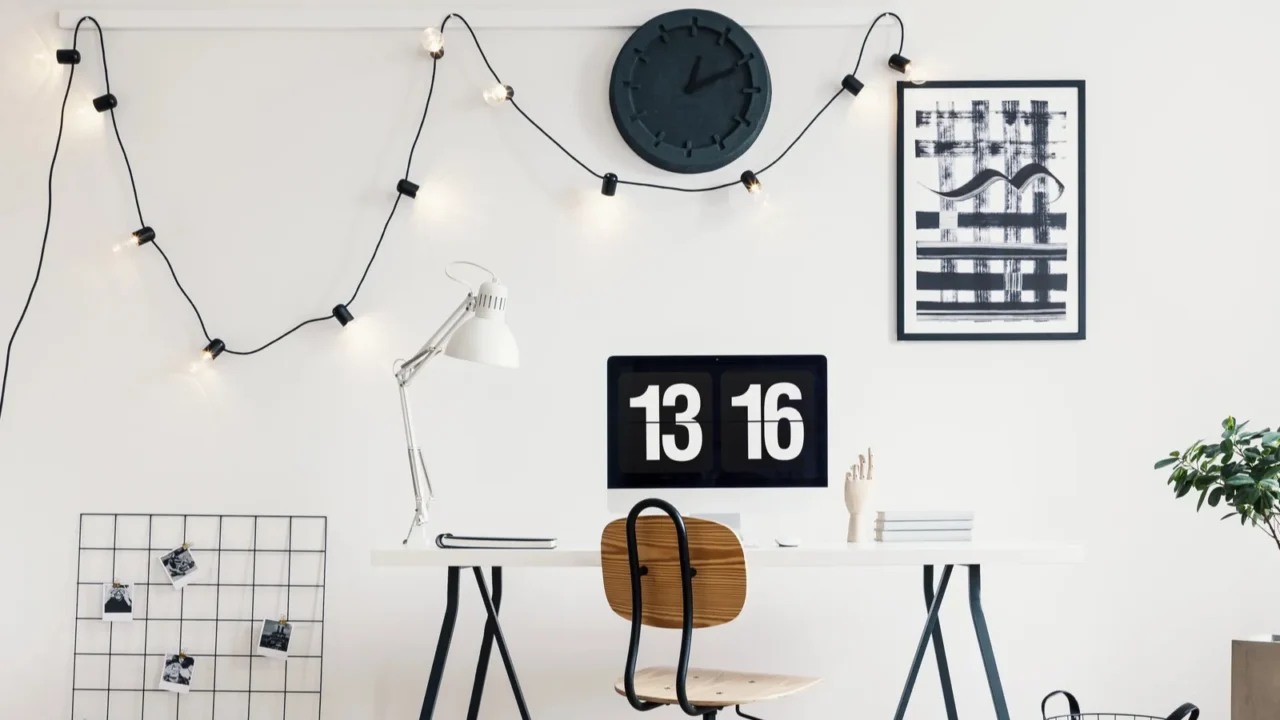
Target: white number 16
763,419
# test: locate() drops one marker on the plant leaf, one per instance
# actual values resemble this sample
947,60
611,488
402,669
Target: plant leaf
1200,502
1166,463
1239,480
1214,496
1270,437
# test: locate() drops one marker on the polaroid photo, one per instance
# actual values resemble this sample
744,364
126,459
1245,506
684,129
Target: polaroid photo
117,602
273,639
180,565
176,676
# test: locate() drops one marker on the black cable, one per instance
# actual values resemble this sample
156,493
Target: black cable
48,221
902,37
183,290
395,205
765,169
280,337
658,186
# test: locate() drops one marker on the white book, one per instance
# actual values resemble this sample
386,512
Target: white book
924,536
897,525
931,515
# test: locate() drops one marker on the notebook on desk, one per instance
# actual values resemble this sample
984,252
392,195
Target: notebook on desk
449,541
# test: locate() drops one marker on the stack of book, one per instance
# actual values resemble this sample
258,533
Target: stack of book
924,526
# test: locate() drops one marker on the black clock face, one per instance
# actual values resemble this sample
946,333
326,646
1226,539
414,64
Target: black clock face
690,91
717,422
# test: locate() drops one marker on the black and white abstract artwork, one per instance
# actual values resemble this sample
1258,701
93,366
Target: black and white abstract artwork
991,210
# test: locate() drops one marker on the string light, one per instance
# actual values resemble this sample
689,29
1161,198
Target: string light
141,236
433,42
498,94
904,65
609,185
407,188
213,349
104,103
342,314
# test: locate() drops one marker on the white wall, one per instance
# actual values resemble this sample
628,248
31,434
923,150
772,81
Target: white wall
266,159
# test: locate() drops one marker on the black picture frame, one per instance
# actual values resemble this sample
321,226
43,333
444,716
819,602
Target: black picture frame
1078,267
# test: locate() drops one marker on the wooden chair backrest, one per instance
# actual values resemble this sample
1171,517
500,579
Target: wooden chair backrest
715,553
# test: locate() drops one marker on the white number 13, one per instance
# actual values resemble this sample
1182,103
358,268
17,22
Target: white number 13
655,442
764,419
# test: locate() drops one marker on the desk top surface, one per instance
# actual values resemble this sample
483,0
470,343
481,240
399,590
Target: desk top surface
816,555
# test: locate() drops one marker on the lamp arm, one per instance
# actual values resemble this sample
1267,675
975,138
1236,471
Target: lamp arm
435,344
404,375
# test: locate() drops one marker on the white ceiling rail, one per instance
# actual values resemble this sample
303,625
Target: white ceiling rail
621,15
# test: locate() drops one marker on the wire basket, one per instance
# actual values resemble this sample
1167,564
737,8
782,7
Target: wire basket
1186,712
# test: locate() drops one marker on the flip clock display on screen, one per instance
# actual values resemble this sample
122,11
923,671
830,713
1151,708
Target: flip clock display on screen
717,421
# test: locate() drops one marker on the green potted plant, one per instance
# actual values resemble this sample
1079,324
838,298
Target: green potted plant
1242,471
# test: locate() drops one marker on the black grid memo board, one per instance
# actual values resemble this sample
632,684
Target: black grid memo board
251,568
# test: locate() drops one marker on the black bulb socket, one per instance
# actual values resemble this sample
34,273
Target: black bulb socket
852,84
342,315
214,349
68,57
407,188
143,235
105,102
750,181
899,63
609,185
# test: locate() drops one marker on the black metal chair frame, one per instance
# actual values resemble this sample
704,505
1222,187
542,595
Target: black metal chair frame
637,610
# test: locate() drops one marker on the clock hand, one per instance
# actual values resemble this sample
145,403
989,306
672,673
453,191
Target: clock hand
708,80
693,75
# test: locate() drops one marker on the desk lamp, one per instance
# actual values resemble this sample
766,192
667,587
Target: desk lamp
476,331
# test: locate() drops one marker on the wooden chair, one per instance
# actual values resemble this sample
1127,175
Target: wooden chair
686,574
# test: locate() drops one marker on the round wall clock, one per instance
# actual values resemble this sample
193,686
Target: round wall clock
690,91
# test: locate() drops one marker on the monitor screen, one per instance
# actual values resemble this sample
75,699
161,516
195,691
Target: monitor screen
717,421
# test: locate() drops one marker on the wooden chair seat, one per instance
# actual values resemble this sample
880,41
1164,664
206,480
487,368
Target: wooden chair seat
715,688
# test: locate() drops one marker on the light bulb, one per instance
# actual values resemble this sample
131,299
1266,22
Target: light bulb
915,75
498,94
433,42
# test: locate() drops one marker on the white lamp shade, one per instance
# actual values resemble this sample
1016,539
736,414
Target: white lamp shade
485,337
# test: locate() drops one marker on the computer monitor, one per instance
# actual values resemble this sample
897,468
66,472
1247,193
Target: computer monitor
718,434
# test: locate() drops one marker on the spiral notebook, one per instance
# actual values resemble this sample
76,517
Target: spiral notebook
449,541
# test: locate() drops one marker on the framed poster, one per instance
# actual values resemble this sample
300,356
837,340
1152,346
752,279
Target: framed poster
991,210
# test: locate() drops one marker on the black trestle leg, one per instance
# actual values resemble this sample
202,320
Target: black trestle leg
930,623
502,642
486,649
939,650
984,643
442,647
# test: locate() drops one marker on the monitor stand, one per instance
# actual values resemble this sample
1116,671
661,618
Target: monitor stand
731,520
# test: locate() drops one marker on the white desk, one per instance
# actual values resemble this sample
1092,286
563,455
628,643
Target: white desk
927,556
825,555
